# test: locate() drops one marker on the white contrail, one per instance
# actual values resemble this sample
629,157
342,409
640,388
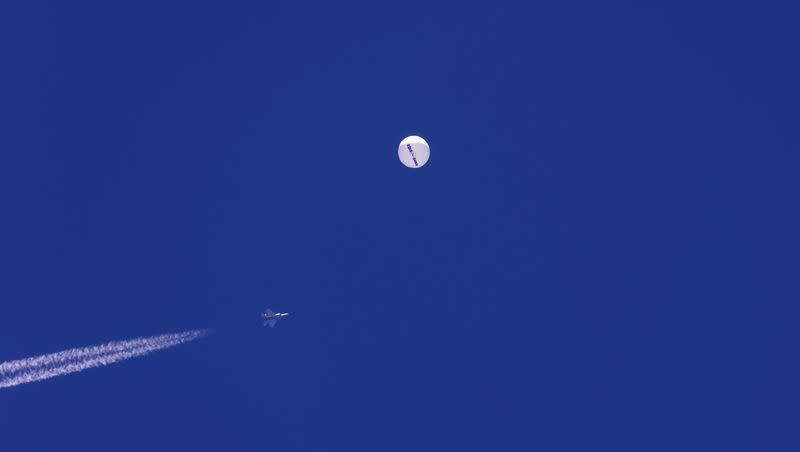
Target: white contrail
78,353
45,372
72,356
13,373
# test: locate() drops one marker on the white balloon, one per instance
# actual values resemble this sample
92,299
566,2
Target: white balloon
414,151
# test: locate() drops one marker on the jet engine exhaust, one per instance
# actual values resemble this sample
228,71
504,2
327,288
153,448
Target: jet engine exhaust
43,367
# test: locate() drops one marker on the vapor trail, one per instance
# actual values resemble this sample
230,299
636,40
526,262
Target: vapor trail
27,370
78,353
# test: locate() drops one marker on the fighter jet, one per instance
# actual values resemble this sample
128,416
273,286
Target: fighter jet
271,318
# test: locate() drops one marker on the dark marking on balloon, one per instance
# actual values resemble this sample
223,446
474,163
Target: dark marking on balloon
413,157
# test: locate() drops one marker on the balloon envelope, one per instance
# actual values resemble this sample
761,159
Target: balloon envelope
413,151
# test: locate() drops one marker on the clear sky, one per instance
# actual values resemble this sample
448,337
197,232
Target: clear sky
601,254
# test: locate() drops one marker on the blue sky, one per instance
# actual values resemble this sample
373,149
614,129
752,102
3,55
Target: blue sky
601,254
